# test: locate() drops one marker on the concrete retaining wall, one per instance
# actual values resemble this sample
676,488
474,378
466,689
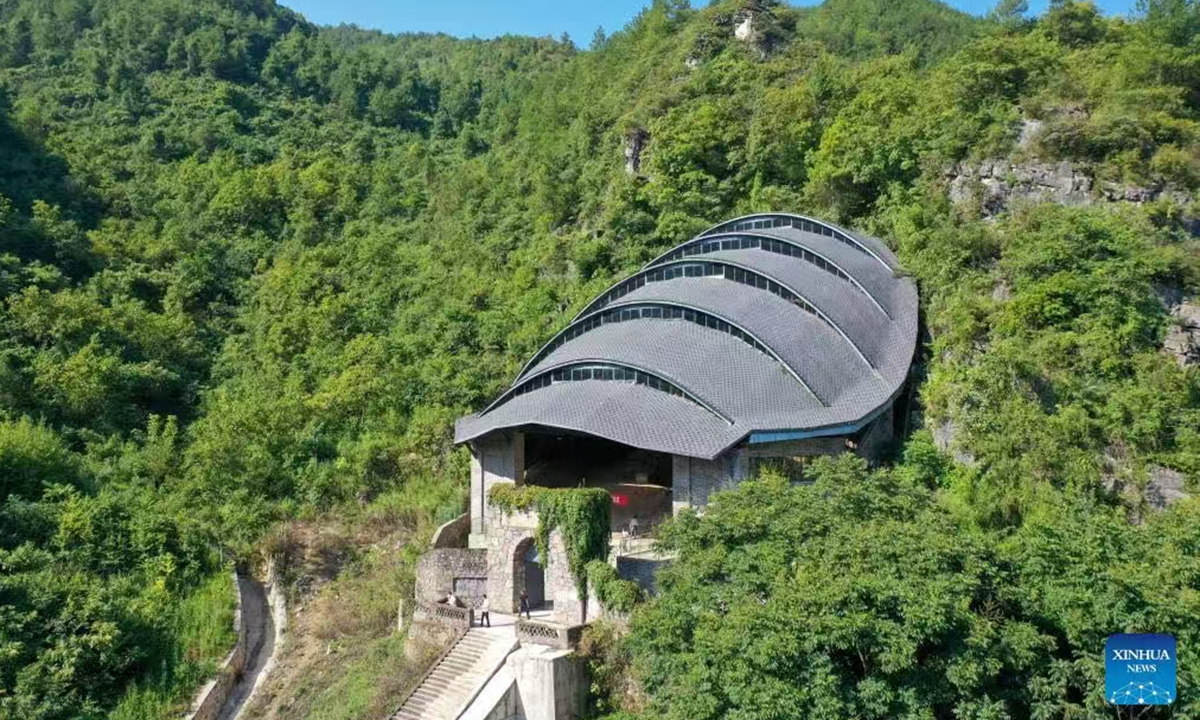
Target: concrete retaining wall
553,684
507,707
271,646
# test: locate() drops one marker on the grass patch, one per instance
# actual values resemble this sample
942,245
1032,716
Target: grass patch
366,684
346,571
202,632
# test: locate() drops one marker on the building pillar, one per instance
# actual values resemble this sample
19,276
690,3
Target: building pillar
477,499
553,684
498,458
681,483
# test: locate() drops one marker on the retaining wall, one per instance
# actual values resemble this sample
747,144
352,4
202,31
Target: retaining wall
442,570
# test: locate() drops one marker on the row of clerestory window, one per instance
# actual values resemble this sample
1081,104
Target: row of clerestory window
703,269
597,371
655,311
703,246
775,221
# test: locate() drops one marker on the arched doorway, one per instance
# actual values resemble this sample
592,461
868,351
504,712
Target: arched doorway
528,574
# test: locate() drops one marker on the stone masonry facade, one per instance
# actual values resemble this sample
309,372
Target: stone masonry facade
508,538
442,570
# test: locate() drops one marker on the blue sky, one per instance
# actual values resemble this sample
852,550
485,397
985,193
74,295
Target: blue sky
489,18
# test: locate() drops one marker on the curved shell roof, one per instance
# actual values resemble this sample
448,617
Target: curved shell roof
770,323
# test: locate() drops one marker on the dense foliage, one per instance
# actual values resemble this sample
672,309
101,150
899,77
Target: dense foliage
860,596
615,595
250,268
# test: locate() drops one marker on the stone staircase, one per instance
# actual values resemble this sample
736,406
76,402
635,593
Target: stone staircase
449,688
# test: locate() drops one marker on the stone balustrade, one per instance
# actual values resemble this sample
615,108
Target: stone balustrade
562,637
444,614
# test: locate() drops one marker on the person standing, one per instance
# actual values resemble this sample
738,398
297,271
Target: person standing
484,615
524,606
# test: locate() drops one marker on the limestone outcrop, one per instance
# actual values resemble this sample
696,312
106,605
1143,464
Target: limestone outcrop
1183,339
997,184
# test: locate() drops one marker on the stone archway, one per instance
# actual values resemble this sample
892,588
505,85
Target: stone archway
528,574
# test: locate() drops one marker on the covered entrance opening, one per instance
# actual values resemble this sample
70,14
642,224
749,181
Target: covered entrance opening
529,575
638,480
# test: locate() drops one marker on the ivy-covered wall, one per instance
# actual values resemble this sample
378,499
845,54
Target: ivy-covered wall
573,528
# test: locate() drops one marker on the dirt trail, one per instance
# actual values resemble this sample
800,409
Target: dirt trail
259,625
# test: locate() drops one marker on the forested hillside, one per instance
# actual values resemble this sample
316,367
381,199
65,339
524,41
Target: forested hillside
251,270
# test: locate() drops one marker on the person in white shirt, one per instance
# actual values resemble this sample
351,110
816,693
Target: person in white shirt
484,615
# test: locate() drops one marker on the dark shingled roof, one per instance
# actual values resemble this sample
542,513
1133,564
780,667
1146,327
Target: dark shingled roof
767,323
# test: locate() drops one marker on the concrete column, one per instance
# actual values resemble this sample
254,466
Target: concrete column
518,457
681,483
553,683
500,458
477,499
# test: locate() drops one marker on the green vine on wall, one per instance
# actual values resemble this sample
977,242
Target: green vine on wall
614,594
583,515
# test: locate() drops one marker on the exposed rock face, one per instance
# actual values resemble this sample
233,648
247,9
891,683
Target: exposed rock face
996,184
635,140
744,30
1030,130
1183,340
945,436
756,26
1165,487
1115,192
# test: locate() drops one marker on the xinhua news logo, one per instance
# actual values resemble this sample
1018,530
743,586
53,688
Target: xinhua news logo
1139,669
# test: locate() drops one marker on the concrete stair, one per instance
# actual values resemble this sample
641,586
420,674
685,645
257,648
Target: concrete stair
460,675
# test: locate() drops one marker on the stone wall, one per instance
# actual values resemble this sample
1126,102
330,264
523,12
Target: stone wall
442,570
695,480
508,538
641,570
560,585
453,534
